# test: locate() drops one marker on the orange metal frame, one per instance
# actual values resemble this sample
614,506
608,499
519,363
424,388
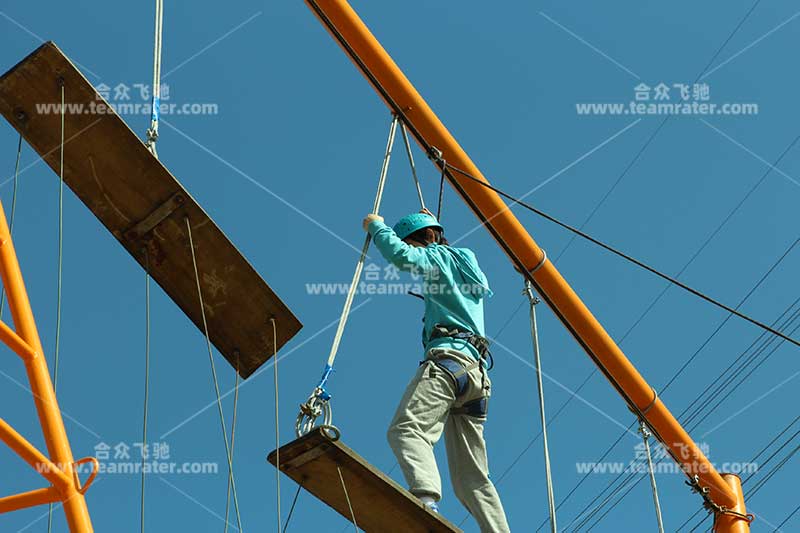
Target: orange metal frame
60,469
723,492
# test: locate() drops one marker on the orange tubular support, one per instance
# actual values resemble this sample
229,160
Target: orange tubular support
32,456
60,467
13,341
29,499
365,51
735,519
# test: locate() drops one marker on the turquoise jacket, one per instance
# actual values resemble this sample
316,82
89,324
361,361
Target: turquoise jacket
452,283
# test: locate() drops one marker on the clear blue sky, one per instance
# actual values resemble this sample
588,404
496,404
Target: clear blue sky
297,119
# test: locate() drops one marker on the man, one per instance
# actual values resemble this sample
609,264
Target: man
450,391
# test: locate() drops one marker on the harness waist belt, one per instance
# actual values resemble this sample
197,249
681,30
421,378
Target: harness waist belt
481,344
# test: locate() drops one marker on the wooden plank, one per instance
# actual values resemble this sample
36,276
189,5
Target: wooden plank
136,198
379,504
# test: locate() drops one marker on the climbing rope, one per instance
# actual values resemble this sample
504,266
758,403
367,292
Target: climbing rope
551,500
318,403
214,376
443,164
13,210
59,267
294,503
413,166
233,437
347,497
146,379
152,131
646,440
277,426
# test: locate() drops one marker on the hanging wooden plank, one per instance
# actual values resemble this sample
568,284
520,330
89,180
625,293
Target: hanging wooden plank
137,199
379,504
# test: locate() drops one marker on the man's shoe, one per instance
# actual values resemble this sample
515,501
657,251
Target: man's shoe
432,507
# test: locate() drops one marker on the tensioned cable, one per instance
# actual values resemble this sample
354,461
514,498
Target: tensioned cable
347,497
317,403
152,131
60,262
753,460
770,443
680,370
233,438
359,62
646,440
658,129
719,388
772,456
551,504
291,509
214,376
441,193
672,379
758,486
360,265
789,517
683,269
740,372
146,380
277,426
13,210
432,152
413,166
631,477
623,255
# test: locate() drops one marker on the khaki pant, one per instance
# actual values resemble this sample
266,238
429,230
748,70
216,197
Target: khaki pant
422,416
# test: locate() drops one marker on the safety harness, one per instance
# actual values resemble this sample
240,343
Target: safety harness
479,407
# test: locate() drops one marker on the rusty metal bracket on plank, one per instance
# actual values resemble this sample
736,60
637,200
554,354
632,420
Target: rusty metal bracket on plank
156,217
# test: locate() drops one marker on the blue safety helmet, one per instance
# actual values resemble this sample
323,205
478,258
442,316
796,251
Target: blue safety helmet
414,222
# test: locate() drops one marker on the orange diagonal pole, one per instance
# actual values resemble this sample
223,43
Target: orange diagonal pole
25,341
399,94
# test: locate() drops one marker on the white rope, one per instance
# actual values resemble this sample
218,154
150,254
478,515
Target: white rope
13,211
146,405
646,438
413,166
347,497
152,132
60,262
360,265
277,426
233,439
318,402
551,500
214,376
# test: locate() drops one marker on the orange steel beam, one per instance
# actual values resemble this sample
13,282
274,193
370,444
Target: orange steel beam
29,499
13,341
736,521
399,94
60,468
32,456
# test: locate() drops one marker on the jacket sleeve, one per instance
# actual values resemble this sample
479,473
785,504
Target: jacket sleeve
404,256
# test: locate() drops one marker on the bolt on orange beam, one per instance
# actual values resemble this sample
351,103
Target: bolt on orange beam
44,397
350,32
